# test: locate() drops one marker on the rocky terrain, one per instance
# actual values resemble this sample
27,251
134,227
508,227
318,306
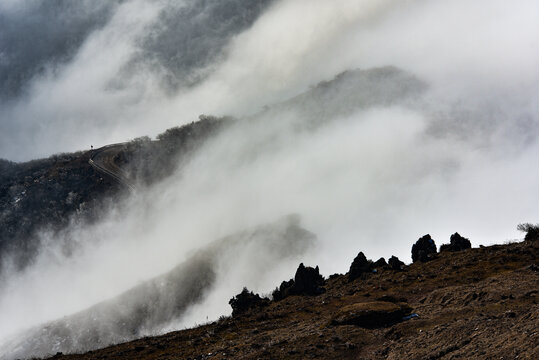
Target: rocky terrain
461,303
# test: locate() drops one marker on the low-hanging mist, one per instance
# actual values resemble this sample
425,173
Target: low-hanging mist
437,133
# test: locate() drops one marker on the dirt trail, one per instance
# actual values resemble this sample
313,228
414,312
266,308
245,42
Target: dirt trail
102,160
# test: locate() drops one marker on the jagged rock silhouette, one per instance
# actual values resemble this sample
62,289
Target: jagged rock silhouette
424,249
457,243
307,281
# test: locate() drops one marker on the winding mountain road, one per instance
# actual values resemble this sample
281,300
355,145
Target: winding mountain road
102,160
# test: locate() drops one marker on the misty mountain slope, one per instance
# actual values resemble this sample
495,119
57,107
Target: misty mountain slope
148,162
190,36
480,303
149,307
176,43
44,195
353,90
40,36
48,195
186,38
329,101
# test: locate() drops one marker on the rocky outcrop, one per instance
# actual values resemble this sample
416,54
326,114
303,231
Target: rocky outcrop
424,249
457,243
359,266
395,264
307,281
380,263
245,301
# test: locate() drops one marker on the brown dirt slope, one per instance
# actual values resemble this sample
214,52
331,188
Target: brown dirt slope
479,303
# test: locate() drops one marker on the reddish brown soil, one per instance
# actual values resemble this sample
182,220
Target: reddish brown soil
475,304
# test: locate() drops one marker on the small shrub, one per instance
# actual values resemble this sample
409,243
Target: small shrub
531,230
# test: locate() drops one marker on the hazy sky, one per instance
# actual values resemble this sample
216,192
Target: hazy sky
368,165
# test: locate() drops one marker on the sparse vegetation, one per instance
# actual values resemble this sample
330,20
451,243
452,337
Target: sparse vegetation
531,230
150,161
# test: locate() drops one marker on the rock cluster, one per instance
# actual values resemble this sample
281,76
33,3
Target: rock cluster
307,281
424,249
380,263
359,266
457,243
245,301
395,264
362,266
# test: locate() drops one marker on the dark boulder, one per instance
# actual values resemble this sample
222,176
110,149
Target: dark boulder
395,264
284,290
359,266
457,243
424,249
380,263
371,315
307,281
245,301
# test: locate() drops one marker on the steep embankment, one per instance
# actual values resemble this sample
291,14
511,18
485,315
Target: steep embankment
477,303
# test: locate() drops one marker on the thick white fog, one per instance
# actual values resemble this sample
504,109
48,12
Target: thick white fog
444,140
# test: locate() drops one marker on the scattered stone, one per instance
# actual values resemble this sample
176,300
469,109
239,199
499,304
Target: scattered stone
245,301
457,243
373,314
307,281
395,264
424,249
359,266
